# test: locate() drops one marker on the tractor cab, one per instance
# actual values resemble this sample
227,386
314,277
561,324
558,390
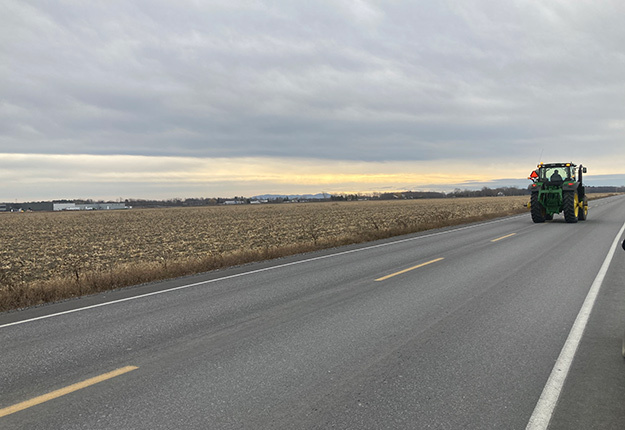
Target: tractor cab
556,173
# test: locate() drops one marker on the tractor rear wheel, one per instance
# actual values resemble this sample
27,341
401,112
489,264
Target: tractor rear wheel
537,210
570,206
583,210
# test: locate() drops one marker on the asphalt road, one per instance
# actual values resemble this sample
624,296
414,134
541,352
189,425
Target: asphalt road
464,335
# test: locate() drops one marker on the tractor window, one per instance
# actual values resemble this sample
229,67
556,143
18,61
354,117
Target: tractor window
557,173
571,175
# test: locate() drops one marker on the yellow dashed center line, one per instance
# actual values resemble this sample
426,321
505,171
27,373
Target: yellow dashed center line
63,391
383,278
503,237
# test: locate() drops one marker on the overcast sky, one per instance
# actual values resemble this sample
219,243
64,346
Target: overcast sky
162,99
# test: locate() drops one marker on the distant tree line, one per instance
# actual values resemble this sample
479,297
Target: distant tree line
175,202
483,192
406,195
403,195
605,189
490,192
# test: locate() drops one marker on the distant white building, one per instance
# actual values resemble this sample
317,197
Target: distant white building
65,207
101,206
88,206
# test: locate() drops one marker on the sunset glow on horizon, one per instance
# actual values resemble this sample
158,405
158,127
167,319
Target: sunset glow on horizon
130,176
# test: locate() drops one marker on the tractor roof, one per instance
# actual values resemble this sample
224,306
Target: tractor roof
556,165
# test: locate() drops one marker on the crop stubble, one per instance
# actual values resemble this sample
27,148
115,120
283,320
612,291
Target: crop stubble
83,252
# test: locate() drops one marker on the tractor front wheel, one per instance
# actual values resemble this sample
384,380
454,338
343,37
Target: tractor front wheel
537,210
570,206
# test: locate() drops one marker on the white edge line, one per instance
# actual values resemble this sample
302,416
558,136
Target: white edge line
545,407
210,281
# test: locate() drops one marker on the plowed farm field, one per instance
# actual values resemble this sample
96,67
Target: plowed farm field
42,245
74,247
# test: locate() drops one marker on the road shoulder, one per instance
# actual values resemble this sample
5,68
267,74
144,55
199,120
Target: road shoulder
593,392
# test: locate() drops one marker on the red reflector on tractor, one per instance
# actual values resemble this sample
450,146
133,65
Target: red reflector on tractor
571,183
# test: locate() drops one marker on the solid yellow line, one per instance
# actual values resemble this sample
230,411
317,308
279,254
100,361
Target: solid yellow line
503,237
383,278
63,391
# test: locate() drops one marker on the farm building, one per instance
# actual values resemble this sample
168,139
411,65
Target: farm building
38,206
64,207
50,206
88,206
103,206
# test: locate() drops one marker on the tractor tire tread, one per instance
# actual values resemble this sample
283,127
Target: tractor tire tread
536,209
568,206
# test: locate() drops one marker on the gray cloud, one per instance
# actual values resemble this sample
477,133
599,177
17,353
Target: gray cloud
361,80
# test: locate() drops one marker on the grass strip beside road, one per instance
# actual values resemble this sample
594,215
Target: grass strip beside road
63,391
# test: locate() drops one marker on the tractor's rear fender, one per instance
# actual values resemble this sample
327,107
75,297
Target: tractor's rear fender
570,186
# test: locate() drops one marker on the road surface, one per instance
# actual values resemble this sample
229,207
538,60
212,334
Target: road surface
459,328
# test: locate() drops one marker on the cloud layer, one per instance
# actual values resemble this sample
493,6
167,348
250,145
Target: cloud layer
365,81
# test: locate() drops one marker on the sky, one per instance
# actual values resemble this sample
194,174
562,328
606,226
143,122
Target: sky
163,99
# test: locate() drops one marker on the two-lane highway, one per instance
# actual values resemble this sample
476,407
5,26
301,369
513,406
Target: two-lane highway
453,328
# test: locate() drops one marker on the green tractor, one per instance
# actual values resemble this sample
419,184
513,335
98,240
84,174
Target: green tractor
555,189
